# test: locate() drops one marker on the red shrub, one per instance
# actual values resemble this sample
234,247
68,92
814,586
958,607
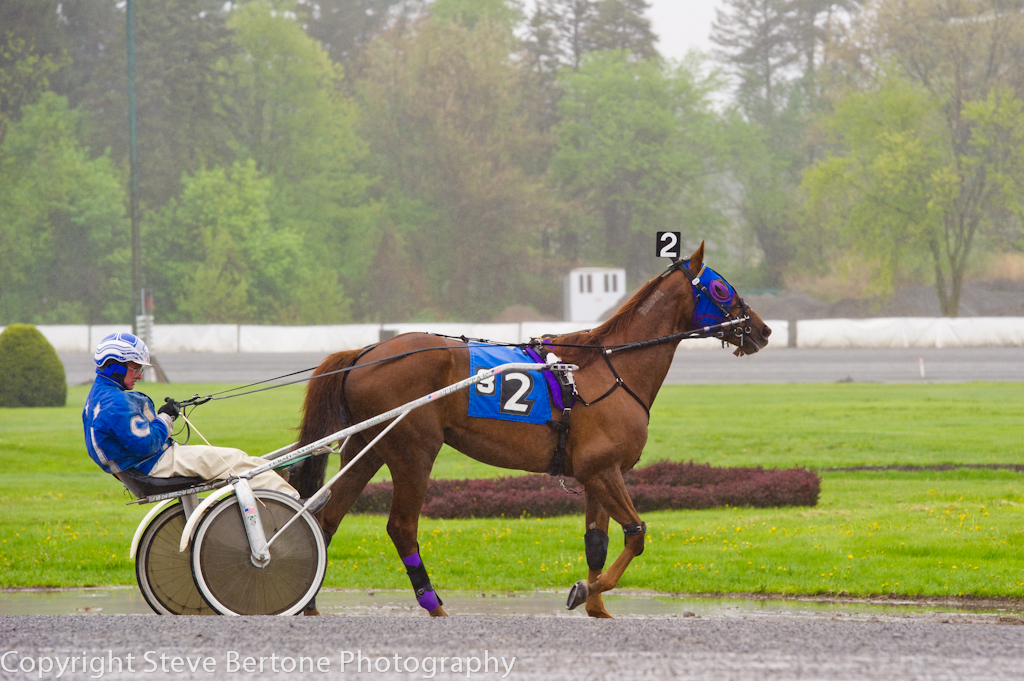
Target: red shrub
660,486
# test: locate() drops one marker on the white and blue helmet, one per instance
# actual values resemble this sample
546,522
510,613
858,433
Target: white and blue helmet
122,348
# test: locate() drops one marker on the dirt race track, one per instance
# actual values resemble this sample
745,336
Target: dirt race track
932,646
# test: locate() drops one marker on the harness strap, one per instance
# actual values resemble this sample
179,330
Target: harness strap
557,465
619,383
352,365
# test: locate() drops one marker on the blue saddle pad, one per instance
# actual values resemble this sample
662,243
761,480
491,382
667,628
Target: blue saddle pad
520,396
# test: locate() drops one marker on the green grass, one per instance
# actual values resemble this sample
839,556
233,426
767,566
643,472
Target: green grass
957,532
938,535
827,425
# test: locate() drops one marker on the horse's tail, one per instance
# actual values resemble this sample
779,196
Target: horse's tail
323,412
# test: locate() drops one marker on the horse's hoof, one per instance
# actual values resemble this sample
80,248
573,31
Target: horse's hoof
577,595
600,614
439,611
311,612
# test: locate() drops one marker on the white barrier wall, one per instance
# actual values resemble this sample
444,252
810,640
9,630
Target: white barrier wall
75,338
195,337
502,333
325,339
68,338
911,332
905,332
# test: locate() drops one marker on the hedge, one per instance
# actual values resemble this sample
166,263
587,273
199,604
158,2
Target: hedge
660,486
31,374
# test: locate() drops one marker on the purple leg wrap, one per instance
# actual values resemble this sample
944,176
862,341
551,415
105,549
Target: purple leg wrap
428,601
425,594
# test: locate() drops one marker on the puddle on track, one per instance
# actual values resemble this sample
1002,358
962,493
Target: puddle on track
128,601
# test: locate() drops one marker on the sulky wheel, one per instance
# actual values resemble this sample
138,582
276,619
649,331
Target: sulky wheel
226,575
163,572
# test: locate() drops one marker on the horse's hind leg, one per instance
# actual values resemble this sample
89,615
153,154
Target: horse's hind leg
410,485
343,494
595,543
610,491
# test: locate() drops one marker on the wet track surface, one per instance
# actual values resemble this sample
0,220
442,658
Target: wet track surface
781,365
126,600
769,645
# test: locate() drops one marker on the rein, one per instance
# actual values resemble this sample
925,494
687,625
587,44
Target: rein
708,331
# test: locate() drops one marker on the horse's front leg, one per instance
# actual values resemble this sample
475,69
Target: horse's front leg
403,524
595,544
343,494
609,489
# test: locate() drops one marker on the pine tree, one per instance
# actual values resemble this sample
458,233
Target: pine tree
345,26
621,25
754,39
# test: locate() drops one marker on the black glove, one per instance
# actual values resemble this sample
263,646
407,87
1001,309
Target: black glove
169,408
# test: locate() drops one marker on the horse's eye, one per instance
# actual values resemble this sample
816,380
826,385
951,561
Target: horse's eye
720,291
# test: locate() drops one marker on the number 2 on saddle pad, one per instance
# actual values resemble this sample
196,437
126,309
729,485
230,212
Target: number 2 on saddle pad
520,396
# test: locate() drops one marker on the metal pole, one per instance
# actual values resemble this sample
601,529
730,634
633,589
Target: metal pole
133,159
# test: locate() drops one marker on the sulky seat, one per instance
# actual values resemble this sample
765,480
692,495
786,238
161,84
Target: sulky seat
142,485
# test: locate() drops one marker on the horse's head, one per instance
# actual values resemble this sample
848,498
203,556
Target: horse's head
716,302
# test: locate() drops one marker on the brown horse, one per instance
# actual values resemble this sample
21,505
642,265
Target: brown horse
605,439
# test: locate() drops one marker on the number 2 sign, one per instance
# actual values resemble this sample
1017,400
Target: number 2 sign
667,245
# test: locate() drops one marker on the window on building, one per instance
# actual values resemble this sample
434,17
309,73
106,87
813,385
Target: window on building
590,284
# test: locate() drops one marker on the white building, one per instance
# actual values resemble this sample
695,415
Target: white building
589,292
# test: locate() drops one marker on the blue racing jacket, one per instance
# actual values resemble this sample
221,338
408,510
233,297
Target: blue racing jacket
122,429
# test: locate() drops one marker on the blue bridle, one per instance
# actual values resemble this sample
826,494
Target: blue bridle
713,296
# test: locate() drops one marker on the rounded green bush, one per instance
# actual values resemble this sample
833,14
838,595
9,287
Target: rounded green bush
31,374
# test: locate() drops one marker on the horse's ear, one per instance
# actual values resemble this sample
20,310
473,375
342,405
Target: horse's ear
697,259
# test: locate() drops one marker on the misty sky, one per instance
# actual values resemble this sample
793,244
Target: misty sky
682,25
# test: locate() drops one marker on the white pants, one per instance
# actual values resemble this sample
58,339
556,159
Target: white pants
216,463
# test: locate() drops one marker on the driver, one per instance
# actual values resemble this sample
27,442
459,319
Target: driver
122,431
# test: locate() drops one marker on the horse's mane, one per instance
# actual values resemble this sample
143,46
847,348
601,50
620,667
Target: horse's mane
619,321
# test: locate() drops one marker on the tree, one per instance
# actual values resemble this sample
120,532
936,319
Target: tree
220,258
754,41
32,50
24,75
560,32
621,25
639,143
345,27
773,48
469,13
875,190
64,244
894,187
959,54
453,147
292,118
180,50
